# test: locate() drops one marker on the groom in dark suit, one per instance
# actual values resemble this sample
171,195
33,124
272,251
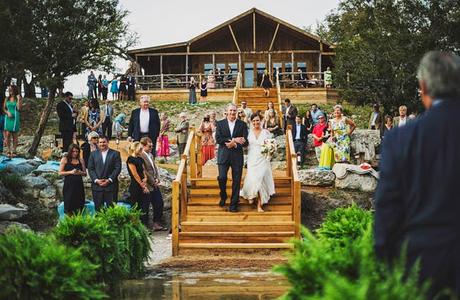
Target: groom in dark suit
232,136
104,166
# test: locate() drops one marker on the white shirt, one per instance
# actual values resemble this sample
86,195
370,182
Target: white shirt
297,133
144,119
104,155
231,125
402,121
374,118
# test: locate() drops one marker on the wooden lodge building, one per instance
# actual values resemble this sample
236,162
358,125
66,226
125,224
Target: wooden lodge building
247,44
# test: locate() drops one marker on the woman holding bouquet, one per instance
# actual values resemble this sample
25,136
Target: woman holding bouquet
258,182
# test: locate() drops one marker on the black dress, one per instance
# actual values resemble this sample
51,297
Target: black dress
204,89
73,190
135,190
266,83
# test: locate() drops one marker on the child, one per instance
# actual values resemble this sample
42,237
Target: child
118,126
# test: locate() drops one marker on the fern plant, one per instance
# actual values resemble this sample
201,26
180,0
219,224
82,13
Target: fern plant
132,237
38,267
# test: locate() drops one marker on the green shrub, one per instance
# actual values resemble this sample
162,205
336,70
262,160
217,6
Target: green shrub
96,241
340,263
37,267
132,238
13,182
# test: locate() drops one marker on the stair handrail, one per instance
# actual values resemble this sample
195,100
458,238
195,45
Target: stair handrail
236,89
179,190
280,105
291,170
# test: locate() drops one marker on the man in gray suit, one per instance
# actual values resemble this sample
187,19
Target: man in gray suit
104,166
107,110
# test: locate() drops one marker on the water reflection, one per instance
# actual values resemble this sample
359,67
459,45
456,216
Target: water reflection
228,284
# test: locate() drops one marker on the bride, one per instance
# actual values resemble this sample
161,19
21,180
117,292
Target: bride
259,178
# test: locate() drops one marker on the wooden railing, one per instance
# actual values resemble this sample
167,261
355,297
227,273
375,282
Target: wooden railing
182,81
280,104
237,88
293,80
179,185
291,171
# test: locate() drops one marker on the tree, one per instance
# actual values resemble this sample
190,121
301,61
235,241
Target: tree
380,43
70,36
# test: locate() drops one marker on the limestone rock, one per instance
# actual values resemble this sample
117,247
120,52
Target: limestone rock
364,143
22,168
36,182
48,198
316,177
4,225
353,181
9,212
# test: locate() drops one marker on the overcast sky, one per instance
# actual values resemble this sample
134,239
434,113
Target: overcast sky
171,21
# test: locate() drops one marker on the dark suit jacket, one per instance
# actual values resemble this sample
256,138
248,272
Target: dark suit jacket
134,128
417,196
234,155
66,121
98,170
303,133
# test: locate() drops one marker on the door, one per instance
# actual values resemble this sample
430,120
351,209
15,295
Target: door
248,75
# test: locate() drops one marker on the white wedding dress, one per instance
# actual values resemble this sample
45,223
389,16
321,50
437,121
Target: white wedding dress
259,177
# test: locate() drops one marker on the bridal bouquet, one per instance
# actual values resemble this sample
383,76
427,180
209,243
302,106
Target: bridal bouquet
269,148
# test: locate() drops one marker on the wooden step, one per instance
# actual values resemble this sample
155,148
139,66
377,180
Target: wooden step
249,216
212,182
244,226
243,206
212,192
214,200
235,237
235,245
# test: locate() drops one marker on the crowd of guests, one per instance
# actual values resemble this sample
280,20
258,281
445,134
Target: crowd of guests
121,87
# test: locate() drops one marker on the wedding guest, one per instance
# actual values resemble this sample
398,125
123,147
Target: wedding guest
211,79
242,116
402,119
89,146
300,136
307,121
107,108
12,124
163,141
319,134
246,109
315,113
144,121
122,88
182,133
99,87
67,117
131,82
118,126
95,118
105,87
104,166
2,127
192,91
337,147
153,180
301,78
208,144
375,121
114,88
266,83
73,169
219,78
82,116
328,78
203,90
229,77
290,113
272,124
91,84
270,106
387,126
138,191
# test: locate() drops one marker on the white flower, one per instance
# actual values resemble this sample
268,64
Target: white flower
269,147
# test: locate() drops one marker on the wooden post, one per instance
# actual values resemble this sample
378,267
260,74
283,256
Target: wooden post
320,59
193,162
239,63
288,152
297,202
183,196
161,71
274,37
175,217
186,64
292,66
213,63
254,31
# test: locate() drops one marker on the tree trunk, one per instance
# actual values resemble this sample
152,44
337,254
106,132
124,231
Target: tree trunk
29,88
43,119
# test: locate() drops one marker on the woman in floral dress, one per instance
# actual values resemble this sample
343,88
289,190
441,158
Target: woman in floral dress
337,148
208,144
163,141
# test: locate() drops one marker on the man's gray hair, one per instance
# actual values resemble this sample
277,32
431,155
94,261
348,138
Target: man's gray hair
231,105
440,71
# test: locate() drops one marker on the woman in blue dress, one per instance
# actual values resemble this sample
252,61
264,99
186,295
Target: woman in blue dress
94,119
114,88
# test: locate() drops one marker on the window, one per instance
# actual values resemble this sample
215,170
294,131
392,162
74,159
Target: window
302,66
233,67
288,67
207,68
220,66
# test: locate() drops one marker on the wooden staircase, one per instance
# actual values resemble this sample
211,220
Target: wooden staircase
256,99
200,224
